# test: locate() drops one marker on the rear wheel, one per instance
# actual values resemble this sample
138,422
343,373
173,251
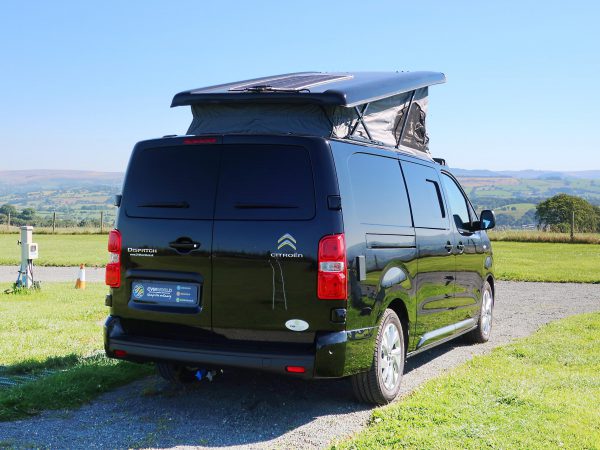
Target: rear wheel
381,383
482,333
175,373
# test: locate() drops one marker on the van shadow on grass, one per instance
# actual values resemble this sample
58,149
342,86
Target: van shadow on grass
32,370
31,387
35,367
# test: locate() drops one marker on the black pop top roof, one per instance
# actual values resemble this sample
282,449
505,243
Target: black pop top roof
334,89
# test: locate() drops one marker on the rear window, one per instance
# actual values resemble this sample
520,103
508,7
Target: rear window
172,182
249,182
265,182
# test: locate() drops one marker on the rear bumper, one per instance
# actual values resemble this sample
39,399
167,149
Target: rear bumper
326,360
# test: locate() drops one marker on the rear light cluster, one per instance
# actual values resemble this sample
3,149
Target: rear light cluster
113,268
332,281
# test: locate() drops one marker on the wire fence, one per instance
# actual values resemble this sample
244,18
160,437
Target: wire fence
47,222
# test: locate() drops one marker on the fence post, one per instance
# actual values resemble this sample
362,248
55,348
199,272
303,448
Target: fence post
573,225
53,221
8,222
101,222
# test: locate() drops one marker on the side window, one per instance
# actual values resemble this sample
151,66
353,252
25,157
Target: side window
459,207
378,190
425,196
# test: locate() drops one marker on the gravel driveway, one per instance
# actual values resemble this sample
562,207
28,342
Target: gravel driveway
251,410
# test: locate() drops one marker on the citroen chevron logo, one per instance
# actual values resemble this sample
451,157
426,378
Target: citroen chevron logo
286,239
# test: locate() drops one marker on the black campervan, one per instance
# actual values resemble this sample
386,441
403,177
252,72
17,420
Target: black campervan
299,227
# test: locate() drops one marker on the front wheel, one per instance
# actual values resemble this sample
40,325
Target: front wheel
381,383
483,331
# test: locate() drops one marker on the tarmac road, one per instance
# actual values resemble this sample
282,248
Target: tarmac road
250,410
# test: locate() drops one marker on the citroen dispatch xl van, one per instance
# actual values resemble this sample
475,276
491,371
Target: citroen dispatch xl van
301,227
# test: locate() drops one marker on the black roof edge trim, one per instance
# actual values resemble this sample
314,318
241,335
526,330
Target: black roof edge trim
325,99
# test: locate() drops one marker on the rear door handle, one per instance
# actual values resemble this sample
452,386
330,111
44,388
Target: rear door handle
184,245
460,247
448,247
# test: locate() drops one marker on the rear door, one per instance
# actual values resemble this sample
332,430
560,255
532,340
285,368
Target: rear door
166,223
271,211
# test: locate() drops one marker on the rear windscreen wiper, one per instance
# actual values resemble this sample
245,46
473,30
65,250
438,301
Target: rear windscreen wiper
264,206
165,205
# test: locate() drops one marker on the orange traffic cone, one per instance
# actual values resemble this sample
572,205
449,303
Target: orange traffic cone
80,283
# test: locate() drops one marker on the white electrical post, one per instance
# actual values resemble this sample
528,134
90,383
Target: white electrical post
29,252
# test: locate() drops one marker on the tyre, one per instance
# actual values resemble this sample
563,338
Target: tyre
381,383
175,373
482,333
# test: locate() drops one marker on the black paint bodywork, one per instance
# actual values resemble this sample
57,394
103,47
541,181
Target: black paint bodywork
240,321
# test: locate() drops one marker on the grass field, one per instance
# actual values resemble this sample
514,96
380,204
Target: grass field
516,210
538,393
524,261
523,188
58,250
57,329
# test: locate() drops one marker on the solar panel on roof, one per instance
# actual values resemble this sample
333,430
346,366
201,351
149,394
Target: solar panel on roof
292,82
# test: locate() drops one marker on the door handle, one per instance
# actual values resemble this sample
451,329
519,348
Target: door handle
448,247
184,245
460,247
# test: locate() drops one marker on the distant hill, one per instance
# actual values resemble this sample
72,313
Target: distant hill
47,179
74,195
12,181
82,194
528,174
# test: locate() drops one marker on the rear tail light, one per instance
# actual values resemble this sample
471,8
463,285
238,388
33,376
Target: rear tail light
295,369
120,353
113,268
332,279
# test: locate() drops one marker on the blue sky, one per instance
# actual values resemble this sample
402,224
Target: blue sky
81,82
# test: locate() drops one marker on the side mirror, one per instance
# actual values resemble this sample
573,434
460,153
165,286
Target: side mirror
487,219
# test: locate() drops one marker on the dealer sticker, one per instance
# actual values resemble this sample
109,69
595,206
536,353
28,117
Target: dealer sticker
164,293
